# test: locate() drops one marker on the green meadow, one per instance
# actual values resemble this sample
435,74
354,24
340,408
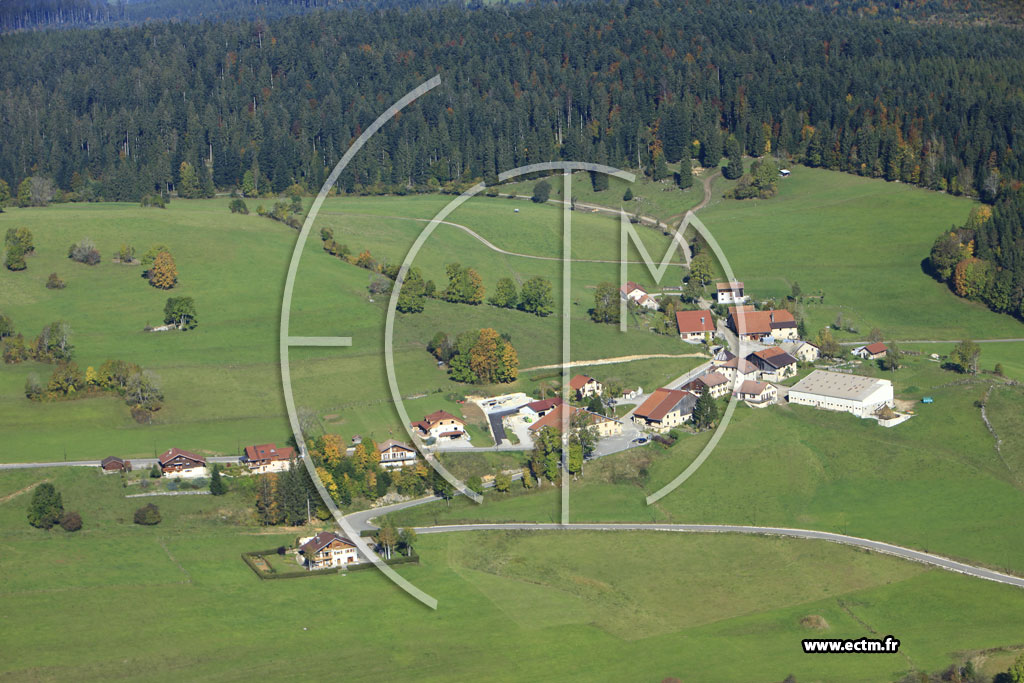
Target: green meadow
162,603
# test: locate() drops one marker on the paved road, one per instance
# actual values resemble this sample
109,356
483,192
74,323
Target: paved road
137,463
877,546
936,341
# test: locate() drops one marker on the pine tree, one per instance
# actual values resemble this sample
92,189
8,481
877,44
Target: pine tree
188,184
734,168
684,179
705,411
217,486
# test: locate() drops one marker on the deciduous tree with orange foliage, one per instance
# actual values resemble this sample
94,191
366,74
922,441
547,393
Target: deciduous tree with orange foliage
163,274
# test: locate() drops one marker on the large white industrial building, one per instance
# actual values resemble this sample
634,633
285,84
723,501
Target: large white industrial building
856,394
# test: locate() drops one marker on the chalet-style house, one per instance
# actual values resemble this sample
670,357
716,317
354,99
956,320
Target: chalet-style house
585,387
694,325
730,293
538,409
178,463
805,352
631,291
758,393
440,426
871,351
665,409
267,457
604,426
396,454
773,363
715,382
112,463
327,550
774,325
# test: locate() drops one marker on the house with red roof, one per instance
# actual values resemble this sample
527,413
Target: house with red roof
715,382
695,325
268,457
566,414
112,463
585,386
773,364
538,409
178,463
440,426
751,325
757,393
633,292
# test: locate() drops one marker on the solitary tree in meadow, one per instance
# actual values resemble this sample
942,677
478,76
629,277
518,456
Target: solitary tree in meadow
163,274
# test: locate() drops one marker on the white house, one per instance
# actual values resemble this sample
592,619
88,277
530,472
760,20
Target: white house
631,291
871,351
757,393
327,550
855,394
396,454
441,426
178,463
804,352
715,382
730,293
694,326
665,409
585,386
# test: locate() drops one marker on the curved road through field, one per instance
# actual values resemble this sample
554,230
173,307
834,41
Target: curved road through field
362,521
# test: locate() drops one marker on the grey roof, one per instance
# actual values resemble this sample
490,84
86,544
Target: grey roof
839,385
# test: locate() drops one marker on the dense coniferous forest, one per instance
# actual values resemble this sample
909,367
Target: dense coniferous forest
115,113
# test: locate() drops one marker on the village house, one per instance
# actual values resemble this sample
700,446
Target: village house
665,409
631,291
327,550
441,426
694,325
805,352
733,366
758,393
178,463
396,454
585,387
715,382
730,293
774,364
538,409
871,351
604,426
267,457
774,325
855,394
112,463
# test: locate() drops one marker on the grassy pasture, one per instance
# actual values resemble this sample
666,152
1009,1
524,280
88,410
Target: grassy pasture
163,603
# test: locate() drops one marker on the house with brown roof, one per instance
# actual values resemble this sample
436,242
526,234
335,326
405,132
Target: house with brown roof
871,351
112,463
634,293
396,454
774,325
665,409
440,426
178,463
805,352
694,325
604,426
733,366
585,386
730,293
758,393
538,409
326,550
715,382
268,457
773,364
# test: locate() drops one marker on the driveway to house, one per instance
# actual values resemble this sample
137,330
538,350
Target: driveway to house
137,463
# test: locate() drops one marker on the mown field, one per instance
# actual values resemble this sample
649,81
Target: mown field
163,603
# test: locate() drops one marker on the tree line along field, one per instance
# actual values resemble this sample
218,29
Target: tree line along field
575,593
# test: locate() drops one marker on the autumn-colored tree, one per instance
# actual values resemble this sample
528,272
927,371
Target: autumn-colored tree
163,274
508,371
483,357
970,277
328,481
361,457
333,450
